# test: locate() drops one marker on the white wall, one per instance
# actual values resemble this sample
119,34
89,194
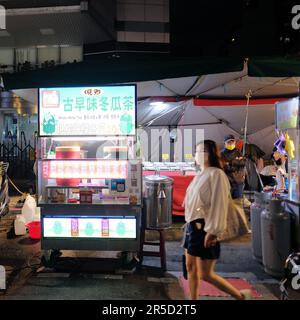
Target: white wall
6,56
48,53
69,54
26,54
149,138
143,11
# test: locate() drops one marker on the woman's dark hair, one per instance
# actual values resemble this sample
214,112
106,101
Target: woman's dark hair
213,153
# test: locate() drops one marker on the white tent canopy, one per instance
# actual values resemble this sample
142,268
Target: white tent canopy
222,85
216,120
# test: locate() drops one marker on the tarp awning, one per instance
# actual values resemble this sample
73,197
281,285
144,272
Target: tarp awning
274,67
120,68
216,121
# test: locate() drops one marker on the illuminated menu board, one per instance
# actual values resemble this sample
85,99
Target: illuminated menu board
87,111
85,169
122,228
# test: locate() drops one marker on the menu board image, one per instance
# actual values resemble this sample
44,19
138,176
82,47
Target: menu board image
122,228
57,227
90,228
87,111
287,114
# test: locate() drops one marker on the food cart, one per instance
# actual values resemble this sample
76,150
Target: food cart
287,125
89,180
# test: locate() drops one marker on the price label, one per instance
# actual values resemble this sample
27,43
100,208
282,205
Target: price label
188,156
165,156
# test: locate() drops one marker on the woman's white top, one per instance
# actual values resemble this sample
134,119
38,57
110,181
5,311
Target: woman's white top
207,198
269,171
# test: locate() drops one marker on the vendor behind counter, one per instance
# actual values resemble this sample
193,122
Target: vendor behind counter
275,173
268,175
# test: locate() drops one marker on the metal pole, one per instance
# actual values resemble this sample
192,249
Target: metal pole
248,96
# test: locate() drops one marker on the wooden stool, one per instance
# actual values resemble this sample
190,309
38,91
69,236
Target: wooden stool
162,247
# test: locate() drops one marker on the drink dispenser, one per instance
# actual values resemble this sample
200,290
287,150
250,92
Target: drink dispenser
158,198
71,152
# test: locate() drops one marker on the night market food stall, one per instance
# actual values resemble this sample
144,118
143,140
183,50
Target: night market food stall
89,179
287,125
275,214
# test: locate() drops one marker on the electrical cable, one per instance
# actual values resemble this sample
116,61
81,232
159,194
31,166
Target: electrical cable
22,193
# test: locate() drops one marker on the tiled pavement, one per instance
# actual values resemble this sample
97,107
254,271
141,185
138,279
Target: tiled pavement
147,283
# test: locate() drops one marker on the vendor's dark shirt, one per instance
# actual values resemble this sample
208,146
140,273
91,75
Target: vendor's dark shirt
229,155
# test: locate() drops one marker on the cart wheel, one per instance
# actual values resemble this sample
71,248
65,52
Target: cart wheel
49,258
126,257
45,259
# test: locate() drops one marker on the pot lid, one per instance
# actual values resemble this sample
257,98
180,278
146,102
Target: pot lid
158,179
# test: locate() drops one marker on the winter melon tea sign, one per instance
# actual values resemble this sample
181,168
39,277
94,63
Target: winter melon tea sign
87,111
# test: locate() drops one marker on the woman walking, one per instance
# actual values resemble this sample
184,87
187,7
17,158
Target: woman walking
206,204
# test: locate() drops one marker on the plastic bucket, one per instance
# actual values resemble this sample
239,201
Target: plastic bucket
34,229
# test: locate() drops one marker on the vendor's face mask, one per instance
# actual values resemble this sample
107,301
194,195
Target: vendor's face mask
230,146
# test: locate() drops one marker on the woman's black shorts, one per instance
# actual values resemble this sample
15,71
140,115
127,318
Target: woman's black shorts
194,241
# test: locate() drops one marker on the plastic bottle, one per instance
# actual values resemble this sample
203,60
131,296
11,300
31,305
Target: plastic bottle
286,183
28,209
20,225
37,214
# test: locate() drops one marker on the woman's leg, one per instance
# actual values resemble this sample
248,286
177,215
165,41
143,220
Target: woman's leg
208,274
193,271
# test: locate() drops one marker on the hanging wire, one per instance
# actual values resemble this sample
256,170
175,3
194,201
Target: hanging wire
18,190
248,96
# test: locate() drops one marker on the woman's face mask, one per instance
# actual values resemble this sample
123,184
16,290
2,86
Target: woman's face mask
201,157
276,155
198,158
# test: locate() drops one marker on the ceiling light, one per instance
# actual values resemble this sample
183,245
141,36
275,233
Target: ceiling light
4,33
157,103
47,32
